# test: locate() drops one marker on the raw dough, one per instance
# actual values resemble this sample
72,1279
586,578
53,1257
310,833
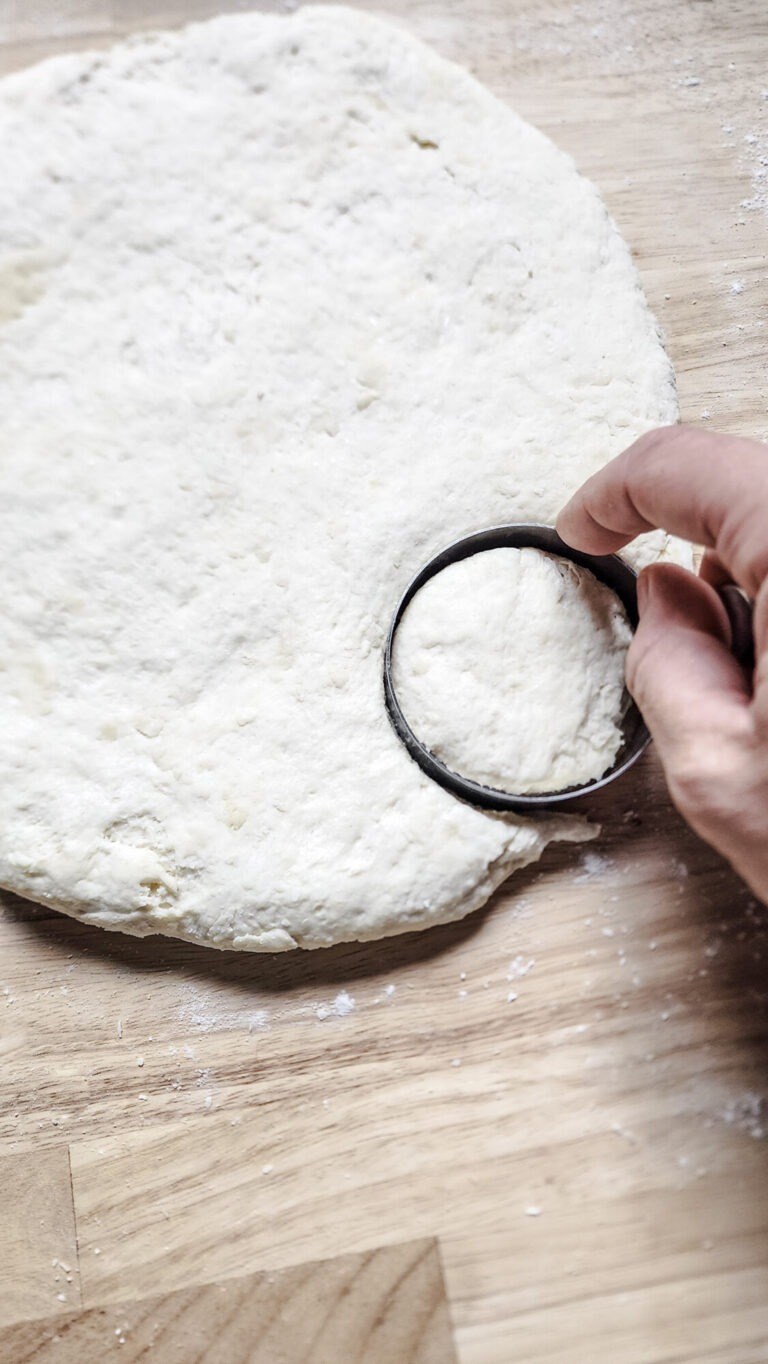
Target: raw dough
288,304
509,666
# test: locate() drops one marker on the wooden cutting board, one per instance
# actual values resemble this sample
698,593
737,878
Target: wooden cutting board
569,1089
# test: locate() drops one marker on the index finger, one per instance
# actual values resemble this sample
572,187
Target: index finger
704,487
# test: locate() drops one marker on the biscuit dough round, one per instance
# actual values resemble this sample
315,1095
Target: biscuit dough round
509,666
286,305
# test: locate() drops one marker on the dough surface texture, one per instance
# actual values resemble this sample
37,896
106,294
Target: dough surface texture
509,666
286,305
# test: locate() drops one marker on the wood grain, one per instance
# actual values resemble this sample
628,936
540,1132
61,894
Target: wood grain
377,1308
592,1153
38,1251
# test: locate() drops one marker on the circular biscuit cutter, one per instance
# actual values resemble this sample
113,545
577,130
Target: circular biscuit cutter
621,579
608,569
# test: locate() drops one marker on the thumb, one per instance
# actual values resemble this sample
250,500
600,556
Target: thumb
680,670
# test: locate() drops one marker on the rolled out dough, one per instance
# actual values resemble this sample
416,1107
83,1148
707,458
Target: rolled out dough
509,666
286,305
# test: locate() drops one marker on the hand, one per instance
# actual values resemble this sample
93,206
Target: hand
708,717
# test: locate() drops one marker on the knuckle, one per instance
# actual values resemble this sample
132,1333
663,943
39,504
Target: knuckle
652,451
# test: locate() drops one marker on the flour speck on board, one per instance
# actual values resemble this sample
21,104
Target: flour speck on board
748,1113
593,865
342,1005
756,159
211,1011
520,967
197,1010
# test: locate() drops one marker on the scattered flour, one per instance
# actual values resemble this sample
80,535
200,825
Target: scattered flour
593,865
520,967
209,1011
342,1005
748,1113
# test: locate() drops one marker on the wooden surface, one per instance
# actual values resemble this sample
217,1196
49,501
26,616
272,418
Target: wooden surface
569,1089
38,1268
384,1306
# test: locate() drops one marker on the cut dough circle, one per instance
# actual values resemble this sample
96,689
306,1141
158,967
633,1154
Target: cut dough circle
509,666
286,305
